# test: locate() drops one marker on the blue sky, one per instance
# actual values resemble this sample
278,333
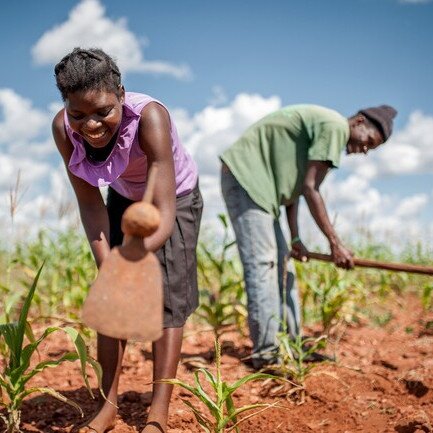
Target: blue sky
220,66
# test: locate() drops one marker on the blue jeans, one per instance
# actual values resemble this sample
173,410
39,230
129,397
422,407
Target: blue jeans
263,251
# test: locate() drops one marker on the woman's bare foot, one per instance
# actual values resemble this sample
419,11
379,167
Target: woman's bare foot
103,420
155,424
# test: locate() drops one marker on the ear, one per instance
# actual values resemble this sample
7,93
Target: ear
121,94
359,119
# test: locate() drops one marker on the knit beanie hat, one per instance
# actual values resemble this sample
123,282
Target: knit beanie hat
381,117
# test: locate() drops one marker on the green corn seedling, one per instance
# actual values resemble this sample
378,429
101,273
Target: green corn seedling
292,356
294,353
222,297
329,289
222,415
427,296
63,288
16,374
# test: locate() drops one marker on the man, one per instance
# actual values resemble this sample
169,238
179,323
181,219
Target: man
281,157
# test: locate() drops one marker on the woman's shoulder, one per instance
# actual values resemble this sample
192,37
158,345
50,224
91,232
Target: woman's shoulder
136,101
140,102
58,122
61,139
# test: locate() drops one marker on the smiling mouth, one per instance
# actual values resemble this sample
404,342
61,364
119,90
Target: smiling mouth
95,136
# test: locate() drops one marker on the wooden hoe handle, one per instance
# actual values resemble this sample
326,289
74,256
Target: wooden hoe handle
368,263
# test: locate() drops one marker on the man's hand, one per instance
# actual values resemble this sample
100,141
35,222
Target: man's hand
299,252
342,257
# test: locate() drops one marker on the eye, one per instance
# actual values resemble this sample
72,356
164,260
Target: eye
76,116
105,112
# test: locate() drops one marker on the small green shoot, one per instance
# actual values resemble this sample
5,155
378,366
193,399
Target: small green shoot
222,296
222,415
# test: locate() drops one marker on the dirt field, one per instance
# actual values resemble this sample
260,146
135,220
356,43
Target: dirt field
382,382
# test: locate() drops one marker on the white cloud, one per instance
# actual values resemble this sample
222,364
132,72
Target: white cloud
53,208
29,170
411,206
88,26
24,129
21,121
360,207
207,133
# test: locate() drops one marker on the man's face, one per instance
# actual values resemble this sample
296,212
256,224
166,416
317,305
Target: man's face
364,136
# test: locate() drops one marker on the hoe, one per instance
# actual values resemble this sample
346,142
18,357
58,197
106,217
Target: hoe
367,263
125,300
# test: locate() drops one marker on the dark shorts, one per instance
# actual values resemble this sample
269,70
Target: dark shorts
177,257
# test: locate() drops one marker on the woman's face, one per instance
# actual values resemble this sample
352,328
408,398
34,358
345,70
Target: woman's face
95,115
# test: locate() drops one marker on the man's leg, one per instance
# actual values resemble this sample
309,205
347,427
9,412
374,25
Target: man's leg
166,355
254,230
290,309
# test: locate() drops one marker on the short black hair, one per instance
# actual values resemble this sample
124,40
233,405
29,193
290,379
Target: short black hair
87,69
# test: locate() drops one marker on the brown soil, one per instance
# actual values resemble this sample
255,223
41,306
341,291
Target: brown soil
382,382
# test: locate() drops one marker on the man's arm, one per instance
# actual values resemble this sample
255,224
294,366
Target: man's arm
299,251
316,172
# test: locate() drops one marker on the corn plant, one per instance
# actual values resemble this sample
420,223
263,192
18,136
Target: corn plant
16,374
70,267
294,365
222,415
222,294
330,290
10,299
427,296
294,355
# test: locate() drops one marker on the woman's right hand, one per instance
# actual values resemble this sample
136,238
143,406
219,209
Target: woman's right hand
342,256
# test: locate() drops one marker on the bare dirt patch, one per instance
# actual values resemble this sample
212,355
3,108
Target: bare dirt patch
382,382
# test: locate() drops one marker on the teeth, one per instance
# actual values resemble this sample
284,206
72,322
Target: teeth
95,136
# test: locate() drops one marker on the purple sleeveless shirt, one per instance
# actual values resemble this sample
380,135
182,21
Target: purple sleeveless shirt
125,169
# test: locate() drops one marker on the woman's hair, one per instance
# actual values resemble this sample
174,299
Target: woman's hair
90,69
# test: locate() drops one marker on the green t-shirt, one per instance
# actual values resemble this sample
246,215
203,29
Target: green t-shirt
270,159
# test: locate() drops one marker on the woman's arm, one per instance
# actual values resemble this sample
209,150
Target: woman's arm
93,212
155,141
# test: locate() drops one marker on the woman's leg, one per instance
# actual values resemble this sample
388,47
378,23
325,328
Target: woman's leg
166,355
110,354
